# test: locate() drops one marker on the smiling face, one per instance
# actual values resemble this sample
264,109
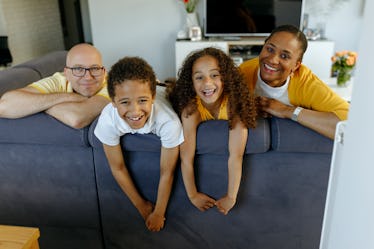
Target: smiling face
133,100
279,57
207,80
84,56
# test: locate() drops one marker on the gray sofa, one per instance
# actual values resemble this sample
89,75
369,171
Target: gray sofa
57,178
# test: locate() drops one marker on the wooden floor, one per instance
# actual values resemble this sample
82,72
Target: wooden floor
16,237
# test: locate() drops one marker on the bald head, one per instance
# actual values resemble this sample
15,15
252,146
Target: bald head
83,51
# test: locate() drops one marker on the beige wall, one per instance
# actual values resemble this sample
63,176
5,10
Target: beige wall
33,28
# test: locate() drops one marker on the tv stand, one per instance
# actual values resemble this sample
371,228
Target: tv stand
232,38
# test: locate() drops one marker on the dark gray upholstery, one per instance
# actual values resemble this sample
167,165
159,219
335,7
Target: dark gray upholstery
47,180
300,140
13,78
280,202
58,179
25,73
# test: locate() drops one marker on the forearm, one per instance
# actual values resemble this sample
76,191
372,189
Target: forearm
21,103
168,162
322,122
237,142
78,114
123,179
234,176
163,194
120,173
187,155
188,176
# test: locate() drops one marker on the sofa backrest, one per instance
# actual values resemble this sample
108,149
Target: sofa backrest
48,64
30,71
212,138
289,136
41,129
13,78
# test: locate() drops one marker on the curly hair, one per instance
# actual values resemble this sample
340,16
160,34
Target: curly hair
130,68
241,103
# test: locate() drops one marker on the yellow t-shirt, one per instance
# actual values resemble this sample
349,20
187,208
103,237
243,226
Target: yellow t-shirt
305,89
57,83
206,115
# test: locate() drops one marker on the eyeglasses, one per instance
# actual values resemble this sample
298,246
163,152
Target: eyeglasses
81,71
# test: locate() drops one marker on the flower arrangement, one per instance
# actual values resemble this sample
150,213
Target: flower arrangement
190,5
343,63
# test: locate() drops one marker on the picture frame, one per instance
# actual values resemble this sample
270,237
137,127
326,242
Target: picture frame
195,33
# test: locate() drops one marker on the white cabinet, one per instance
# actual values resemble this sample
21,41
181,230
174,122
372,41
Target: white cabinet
317,57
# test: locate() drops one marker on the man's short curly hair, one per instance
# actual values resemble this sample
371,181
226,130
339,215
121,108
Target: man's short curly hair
241,103
130,68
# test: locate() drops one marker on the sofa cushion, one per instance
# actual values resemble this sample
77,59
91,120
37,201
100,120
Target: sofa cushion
13,78
47,64
41,128
289,136
212,137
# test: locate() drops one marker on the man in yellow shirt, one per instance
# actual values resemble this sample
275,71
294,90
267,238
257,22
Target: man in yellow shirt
289,89
75,97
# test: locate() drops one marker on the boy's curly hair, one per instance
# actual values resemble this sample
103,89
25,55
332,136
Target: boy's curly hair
241,103
130,68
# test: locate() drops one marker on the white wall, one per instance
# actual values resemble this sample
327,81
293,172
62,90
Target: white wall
2,21
149,28
349,223
342,20
137,28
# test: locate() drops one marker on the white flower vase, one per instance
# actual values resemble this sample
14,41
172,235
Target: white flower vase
191,20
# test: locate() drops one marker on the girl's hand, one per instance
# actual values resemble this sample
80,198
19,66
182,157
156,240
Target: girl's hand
202,201
155,222
225,204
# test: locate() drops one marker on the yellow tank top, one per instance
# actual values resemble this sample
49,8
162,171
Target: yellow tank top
206,115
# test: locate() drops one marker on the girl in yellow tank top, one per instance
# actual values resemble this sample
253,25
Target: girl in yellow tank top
206,115
210,86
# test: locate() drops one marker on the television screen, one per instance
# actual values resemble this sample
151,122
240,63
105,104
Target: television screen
237,18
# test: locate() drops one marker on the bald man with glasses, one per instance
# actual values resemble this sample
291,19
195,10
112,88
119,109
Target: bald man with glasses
75,96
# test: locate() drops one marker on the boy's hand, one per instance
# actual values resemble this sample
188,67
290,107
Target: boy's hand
225,204
145,209
155,222
202,201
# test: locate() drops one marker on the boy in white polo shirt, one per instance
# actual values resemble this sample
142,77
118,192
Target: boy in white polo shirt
139,106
